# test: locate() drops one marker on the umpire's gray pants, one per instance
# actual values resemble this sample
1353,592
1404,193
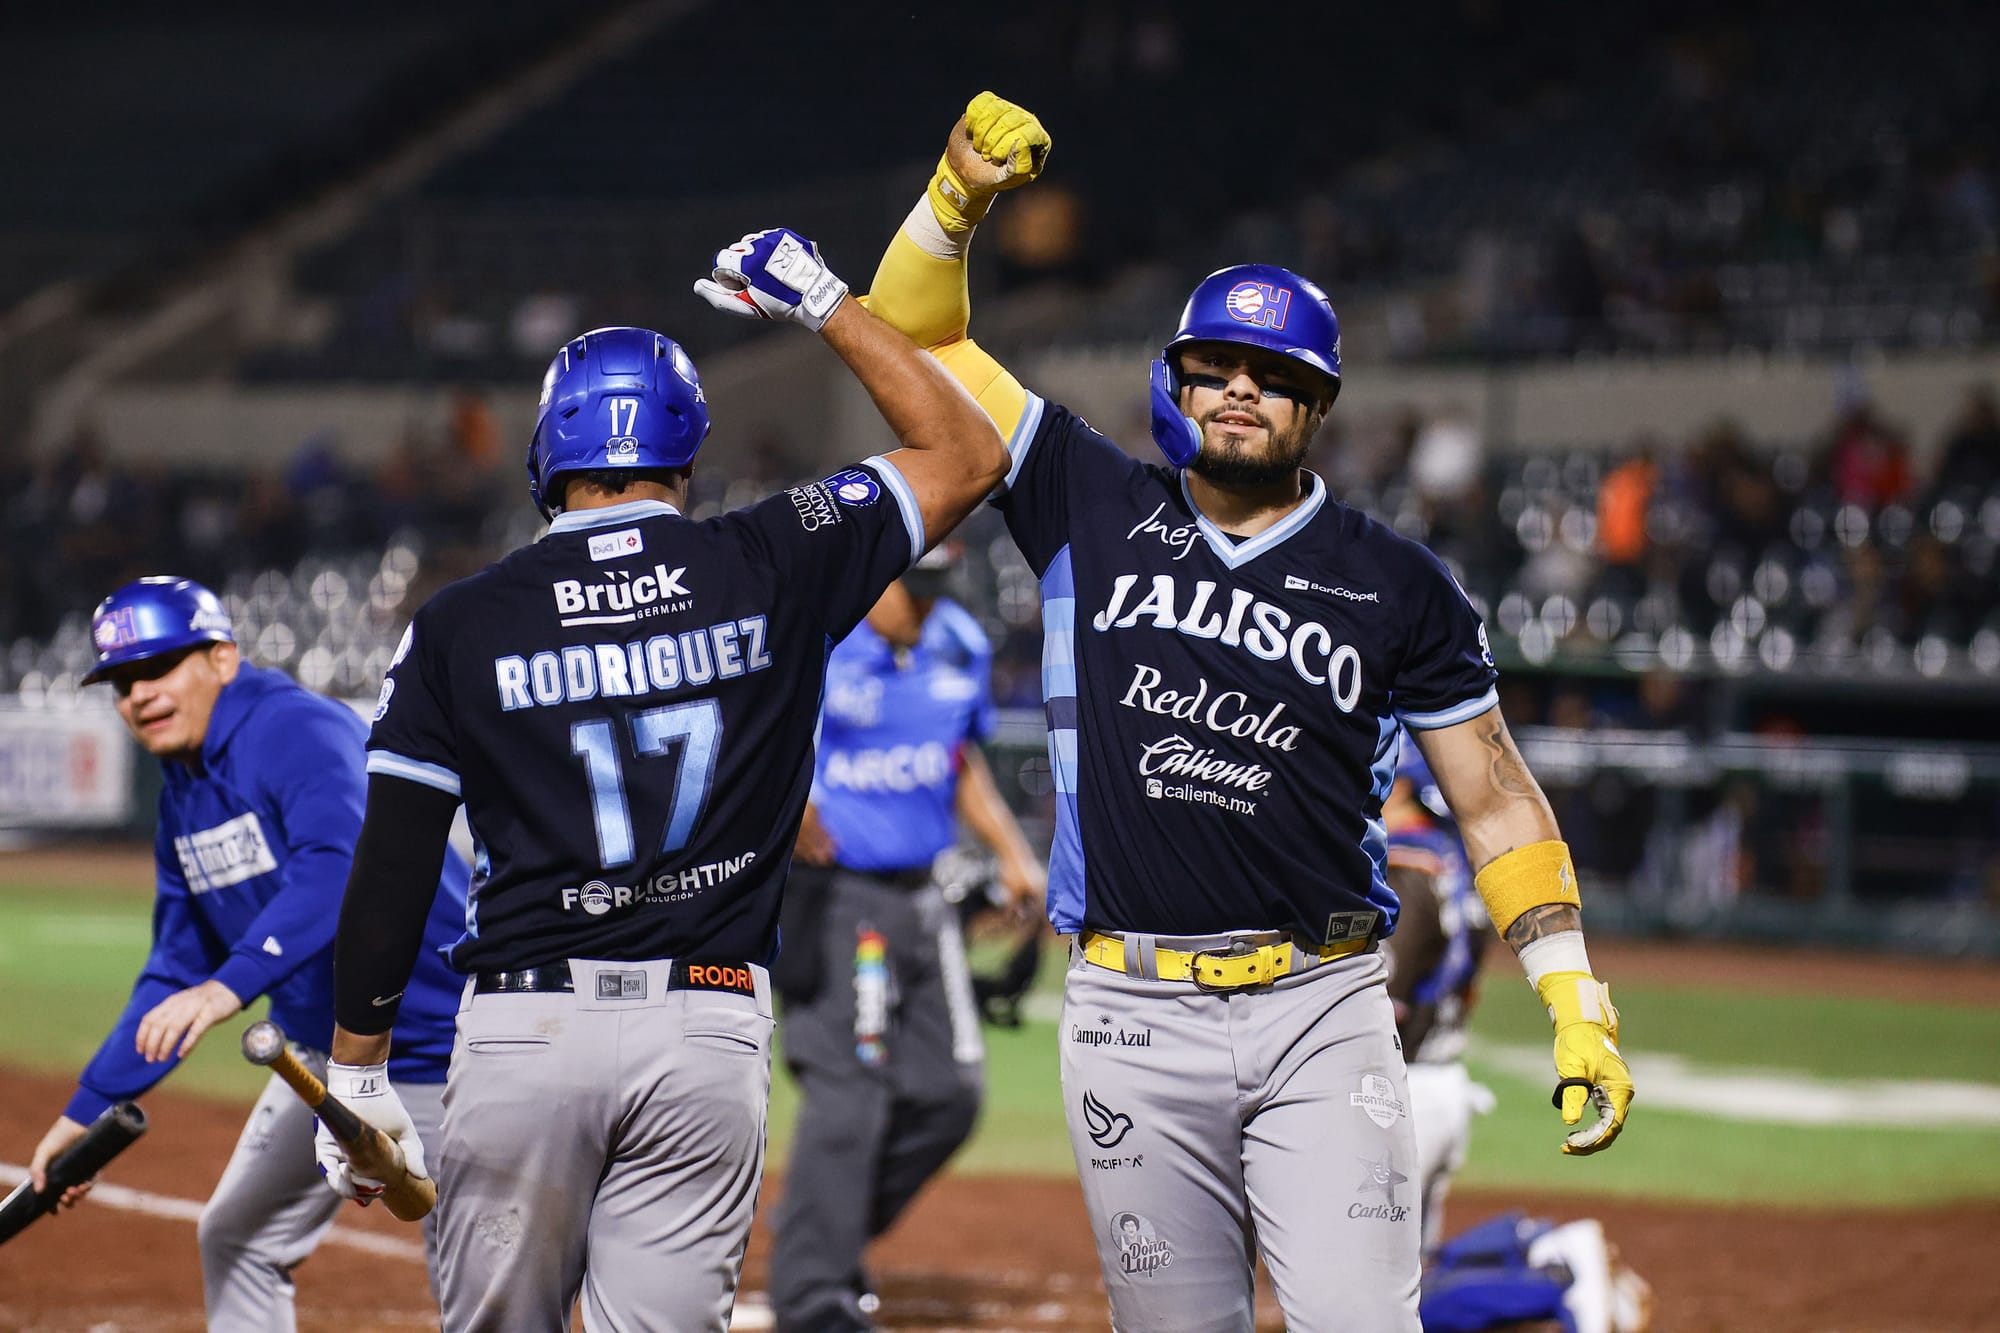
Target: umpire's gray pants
1211,1126
871,1129
611,1146
272,1206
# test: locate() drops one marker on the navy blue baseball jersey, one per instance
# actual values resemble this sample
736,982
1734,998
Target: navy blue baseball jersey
886,781
1222,711
626,707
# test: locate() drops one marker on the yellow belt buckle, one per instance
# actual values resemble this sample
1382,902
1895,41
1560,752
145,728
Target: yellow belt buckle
1212,971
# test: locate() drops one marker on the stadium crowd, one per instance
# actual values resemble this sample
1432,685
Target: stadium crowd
1838,553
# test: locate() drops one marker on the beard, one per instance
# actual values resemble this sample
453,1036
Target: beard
1233,465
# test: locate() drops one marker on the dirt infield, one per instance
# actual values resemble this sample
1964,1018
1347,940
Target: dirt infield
994,1253
1013,1253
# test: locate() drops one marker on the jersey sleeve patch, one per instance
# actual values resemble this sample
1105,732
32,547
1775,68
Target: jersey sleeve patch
892,480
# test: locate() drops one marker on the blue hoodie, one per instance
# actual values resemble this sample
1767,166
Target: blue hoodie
253,853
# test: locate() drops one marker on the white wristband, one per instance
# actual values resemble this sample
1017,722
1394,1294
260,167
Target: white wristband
930,236
1560,952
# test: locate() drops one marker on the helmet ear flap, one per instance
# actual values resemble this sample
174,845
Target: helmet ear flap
1179,438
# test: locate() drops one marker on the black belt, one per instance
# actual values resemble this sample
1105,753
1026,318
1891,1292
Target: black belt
686,974
528,980
915,877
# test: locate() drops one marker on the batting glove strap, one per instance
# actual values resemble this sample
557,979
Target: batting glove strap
367,1091
1589,1068
774,274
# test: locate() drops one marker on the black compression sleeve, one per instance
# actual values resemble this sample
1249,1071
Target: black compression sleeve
389,896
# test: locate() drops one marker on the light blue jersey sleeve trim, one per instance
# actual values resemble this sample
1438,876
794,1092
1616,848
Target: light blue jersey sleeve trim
414,770
1447,717
1018,443
906,500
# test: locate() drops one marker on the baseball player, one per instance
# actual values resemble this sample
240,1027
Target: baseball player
1229,653
886,1047
1433,976
263,792
626,708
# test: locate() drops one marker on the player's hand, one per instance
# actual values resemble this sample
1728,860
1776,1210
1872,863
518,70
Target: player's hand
366,1091
1025,883
996,145
175,1024
64,1132
1589,1069
775,274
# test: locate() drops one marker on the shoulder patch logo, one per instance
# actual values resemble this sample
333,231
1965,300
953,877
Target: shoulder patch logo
815,506
854,487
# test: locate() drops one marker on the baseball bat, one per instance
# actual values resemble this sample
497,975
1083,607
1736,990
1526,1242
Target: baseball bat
110,1134
373,1153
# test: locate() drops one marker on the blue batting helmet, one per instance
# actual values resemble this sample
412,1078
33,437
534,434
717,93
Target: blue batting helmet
151,616
615,398
1260,305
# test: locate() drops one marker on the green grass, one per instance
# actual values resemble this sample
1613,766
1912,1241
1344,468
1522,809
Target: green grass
67,961
1676,1154
1834,1036
67,964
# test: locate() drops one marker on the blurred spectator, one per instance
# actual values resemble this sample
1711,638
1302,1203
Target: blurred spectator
1735,487
268,532
1867,462
1971,459
1447,458
475,431
1624,498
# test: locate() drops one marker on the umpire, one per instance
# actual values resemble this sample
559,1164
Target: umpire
881,1029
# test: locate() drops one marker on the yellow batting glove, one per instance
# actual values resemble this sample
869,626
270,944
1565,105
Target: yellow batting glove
995,146
1588,1065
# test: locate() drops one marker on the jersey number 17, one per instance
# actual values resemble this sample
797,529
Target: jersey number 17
696,725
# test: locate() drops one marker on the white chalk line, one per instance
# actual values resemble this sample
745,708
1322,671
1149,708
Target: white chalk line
146,1203
752,1312
1779,1096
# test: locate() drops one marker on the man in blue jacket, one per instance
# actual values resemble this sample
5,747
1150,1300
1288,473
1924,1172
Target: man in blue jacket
264,787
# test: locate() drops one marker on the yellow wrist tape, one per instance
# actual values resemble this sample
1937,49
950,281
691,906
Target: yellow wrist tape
1577,997
957,205
1537,875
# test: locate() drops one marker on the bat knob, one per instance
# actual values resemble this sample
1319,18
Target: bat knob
263,1042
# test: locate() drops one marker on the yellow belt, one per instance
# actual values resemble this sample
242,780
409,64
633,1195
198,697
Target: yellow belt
1214,970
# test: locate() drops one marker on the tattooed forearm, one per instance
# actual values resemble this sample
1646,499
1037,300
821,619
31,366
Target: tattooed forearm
1510,775
1538,922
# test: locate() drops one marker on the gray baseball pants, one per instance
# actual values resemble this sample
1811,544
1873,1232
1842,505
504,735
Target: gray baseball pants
1211,1127
872,1127
610,1146
272,1206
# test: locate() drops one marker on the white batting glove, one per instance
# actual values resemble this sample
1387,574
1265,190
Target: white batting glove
775,274
366,1091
